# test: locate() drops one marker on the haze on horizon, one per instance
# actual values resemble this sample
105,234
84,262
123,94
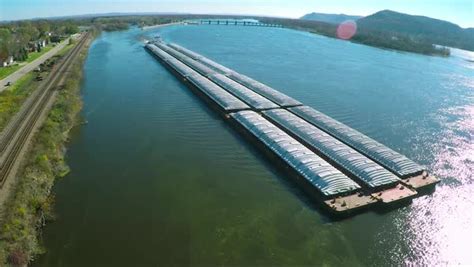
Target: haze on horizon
456,11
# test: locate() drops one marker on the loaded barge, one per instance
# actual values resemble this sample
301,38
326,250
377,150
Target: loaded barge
340,167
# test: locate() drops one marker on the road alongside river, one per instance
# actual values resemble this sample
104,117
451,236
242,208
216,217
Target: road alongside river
12,78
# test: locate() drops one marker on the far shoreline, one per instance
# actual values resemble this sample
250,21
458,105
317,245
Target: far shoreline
146,28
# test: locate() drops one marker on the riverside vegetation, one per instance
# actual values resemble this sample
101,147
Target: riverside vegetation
371,37
30,206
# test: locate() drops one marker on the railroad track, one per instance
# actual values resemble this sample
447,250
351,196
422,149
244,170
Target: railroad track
15,135
9,131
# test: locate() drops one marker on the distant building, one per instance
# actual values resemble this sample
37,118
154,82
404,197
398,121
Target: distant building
32,47
7,62
36,45
55,38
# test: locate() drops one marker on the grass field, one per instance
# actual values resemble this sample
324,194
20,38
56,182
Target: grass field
34,55
11,99
64,50
4,72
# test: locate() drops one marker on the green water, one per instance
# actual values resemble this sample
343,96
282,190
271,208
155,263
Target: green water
158,179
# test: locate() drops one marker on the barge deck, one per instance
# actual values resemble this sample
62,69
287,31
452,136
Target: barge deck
400,165
279,98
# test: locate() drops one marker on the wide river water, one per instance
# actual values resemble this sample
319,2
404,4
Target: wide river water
158,179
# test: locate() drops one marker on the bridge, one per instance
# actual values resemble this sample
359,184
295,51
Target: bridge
236,23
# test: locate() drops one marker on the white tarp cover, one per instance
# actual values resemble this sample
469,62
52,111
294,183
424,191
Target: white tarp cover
260,88
394,161
221,97
366,170
327,179
253,99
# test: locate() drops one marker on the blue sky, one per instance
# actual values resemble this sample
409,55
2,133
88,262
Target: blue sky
458,11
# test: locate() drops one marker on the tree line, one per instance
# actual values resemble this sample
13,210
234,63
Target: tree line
382,39
15,36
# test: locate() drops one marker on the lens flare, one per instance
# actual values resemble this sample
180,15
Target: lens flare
347,29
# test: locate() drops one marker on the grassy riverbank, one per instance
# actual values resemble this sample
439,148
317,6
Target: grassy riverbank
30,206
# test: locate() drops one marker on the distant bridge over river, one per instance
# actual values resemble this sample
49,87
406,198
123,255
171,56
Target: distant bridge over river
230,22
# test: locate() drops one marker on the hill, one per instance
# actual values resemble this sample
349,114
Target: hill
375,38
418,28
329,18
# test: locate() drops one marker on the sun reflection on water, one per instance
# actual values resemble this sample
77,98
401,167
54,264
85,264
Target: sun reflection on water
440,226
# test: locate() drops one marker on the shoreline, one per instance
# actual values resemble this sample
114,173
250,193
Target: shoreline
375,46
146,28
31,203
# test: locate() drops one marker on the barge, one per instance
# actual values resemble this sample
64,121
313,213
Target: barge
412,174
276,96
344,170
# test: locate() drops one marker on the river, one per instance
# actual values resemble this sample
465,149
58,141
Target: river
158,179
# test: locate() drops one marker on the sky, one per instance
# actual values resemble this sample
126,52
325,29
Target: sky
460,12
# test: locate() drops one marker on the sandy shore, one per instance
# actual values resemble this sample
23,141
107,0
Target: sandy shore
160,25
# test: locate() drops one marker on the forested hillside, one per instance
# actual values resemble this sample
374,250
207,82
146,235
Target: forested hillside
419,28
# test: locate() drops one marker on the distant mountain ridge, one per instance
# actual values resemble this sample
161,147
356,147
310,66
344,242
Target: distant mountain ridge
420,28
330,18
